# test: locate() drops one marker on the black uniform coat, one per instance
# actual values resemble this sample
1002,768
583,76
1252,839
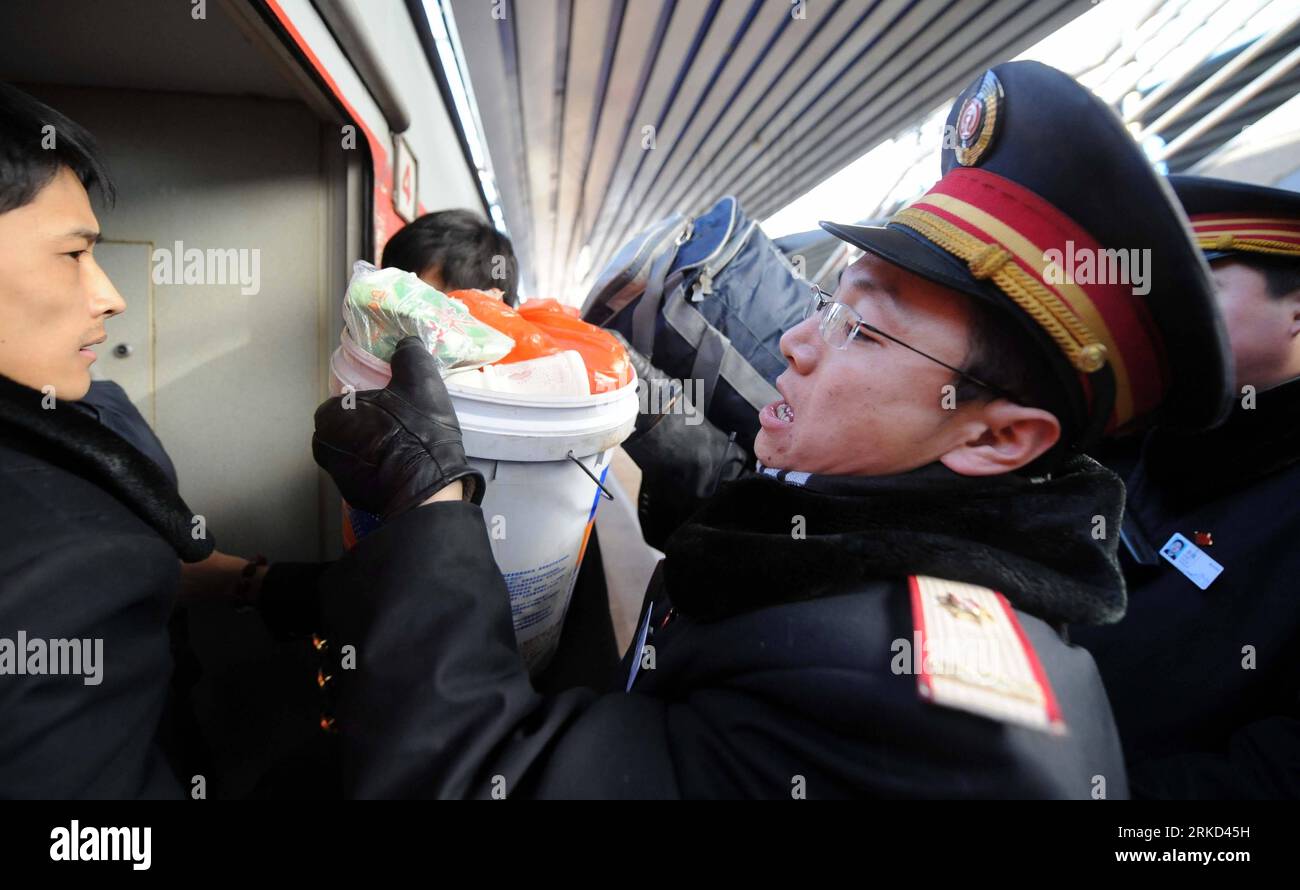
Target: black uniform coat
1197,720
774,664
91,538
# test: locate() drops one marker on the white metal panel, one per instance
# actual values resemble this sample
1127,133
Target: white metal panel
1266,154
772,121
497,92
609,188
541,32
719,43
800,49
589,24
915,86
446,180
811,68
643,49
736,65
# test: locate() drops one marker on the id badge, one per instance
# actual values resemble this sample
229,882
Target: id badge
1199,567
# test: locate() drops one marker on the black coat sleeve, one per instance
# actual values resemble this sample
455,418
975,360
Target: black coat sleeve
90,736
1262,761
439,703
683,459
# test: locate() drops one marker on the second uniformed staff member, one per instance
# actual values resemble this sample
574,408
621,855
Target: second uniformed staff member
882,615
1204,672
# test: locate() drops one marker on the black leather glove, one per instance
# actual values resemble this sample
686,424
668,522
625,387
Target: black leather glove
396,446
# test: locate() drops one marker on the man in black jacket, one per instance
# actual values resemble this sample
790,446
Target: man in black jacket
879,612
92,532
1204,671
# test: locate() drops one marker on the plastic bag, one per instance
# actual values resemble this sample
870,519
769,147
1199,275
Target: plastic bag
530,341
384,305
608,367
551,305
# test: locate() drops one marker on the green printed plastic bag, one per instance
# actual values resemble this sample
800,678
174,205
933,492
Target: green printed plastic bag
383,306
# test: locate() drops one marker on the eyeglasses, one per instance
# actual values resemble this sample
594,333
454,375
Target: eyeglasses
839,324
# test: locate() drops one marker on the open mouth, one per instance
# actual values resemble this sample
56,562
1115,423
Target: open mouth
776,415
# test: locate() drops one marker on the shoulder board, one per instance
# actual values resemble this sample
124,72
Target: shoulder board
973,655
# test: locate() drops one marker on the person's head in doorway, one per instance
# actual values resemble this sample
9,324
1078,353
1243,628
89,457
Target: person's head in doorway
1043,293
453,250
54,297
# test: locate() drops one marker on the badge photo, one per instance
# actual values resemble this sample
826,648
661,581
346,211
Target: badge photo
1199,567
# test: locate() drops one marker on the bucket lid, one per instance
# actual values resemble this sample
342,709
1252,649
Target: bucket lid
527,427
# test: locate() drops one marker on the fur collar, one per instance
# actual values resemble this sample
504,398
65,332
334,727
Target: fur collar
1031,539
68,438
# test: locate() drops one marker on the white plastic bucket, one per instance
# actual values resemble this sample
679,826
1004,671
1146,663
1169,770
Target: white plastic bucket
539,506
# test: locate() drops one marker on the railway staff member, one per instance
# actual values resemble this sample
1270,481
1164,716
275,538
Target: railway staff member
1205,677
888,516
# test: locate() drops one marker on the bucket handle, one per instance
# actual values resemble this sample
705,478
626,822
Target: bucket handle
603,490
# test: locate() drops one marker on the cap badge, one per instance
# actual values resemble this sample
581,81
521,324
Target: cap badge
978,120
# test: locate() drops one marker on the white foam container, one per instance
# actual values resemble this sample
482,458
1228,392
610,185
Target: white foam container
539,506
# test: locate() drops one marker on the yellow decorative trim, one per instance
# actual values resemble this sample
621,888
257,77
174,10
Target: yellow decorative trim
1081,332
991,261
1228,241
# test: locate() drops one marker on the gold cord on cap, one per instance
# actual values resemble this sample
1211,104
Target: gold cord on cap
989,261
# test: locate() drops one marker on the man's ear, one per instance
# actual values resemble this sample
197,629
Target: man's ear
1007,437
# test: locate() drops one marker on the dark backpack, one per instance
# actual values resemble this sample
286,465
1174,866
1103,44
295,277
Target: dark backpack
706,299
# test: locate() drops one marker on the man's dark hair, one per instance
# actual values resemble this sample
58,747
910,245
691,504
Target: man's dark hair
1002,355
462,245
27,165
1281,273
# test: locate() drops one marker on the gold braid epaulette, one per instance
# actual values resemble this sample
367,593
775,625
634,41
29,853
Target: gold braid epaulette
1217,241
992,262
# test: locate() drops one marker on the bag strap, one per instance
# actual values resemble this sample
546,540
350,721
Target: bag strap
715,356
709,354
622,288
643,316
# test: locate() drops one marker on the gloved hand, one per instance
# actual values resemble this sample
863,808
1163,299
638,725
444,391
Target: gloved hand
398,445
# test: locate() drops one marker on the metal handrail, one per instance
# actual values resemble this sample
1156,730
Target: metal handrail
1218,78
1241,97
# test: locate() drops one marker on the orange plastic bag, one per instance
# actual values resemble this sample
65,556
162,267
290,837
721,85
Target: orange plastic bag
530,341
608,367
549,305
